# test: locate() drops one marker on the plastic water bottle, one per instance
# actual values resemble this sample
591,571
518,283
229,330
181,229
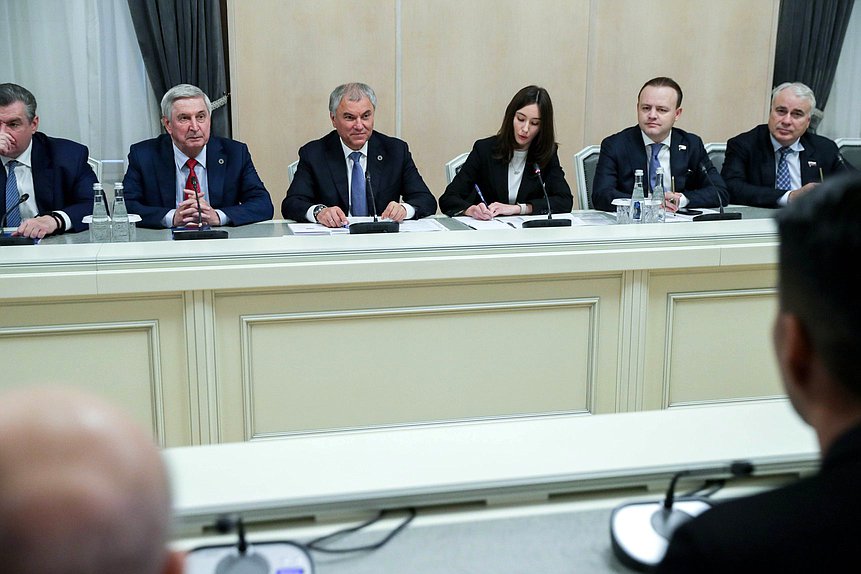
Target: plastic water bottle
100,226
658,197
638,198
120,226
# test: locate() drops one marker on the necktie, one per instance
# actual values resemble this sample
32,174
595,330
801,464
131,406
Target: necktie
654,164
191,182
358,199
12,196
783,181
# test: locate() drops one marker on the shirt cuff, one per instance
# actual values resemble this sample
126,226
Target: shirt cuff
167,221
683,201
411,211
783,200
224,220
66,219
309,215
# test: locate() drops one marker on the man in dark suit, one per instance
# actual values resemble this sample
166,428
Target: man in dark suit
654,143
166,173
52,172
772,164
811,525
330,179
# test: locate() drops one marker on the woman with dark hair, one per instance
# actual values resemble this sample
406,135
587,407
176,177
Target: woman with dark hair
498,177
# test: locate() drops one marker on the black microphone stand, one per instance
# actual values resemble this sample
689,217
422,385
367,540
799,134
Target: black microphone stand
7,240
374,226
549,222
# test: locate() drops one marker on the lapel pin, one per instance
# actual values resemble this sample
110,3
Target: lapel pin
221,161
811,164
682,147
379,158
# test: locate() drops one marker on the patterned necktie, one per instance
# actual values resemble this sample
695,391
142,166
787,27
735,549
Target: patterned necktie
358,199
191,182
654,164
783,181
12,196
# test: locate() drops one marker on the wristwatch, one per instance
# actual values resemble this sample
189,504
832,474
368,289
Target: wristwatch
317,211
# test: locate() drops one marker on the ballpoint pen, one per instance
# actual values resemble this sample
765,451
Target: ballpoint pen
821,175
480,195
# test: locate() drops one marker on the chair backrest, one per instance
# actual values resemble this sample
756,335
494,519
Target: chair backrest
585,163
850,149
291,171
97,167
716,151
453,166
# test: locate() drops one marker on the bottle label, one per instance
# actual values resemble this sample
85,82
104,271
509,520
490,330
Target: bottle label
636,210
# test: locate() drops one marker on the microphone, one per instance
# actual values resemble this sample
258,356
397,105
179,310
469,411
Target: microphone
6,240
201,232
721,216
374,226
641,531
549,222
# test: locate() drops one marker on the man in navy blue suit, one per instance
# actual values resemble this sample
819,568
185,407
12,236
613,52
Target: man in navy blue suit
775,163
653,143
52,172
166,173
330,180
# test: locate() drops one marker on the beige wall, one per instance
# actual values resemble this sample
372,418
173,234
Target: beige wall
444,70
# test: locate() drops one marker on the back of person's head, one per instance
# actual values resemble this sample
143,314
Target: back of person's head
820,283
82,490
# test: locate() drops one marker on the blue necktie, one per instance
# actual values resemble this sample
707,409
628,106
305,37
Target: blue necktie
654,164
12,196
783,181
358,199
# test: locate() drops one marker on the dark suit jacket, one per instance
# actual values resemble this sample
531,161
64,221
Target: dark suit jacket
750,172
62,179
625,151
491,175
321,177
234,186
809,526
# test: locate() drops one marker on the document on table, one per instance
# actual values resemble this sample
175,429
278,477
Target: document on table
409,226
496,223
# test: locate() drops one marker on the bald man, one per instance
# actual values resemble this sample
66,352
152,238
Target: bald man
81,488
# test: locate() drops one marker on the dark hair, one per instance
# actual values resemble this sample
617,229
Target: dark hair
663,82
11,93
820,246
544,145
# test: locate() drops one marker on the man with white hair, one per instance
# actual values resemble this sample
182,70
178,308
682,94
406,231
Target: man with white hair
775,163
82,489
167,175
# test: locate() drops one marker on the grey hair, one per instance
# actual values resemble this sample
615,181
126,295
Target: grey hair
799,89
181,91
354,92
11,93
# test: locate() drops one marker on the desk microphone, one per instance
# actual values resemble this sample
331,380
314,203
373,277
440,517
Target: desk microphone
641,531
200,232
374,226
722,216
17,240
549,222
